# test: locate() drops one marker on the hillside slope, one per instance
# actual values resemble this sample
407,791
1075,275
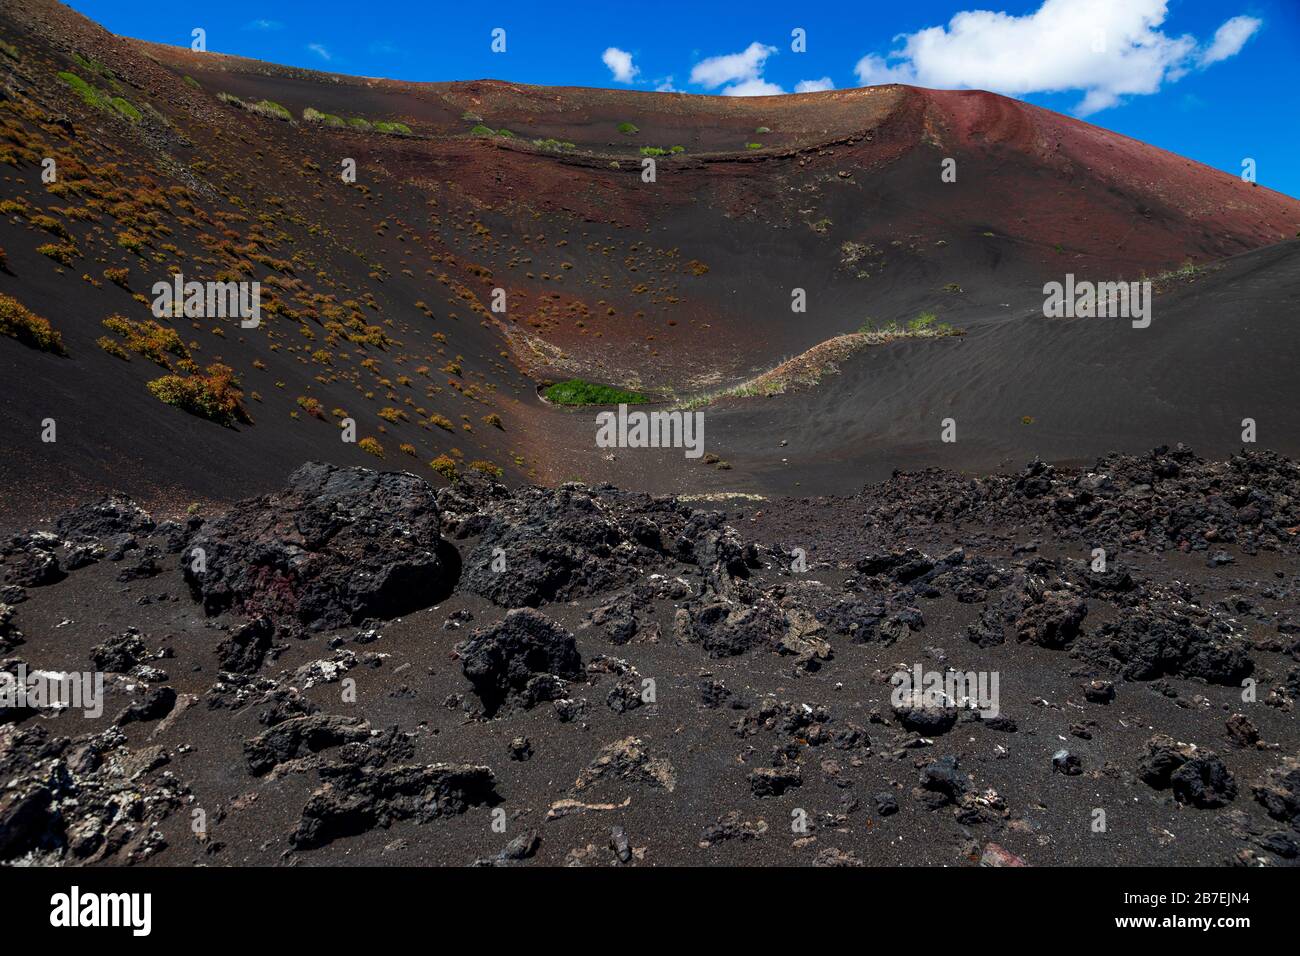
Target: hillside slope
377,293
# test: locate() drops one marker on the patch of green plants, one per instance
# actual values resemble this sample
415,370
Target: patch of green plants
628,129
93,66
269,109
89,95
312,115
392,128
125,108
481,130
922,322
1188,270
753,146
575,391
357,123
925,324
653,151
552,143
191,82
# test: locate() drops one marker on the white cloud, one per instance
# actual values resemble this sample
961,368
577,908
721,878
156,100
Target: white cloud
1108,49
755,87
263,24
620,64
744,71
666,85
814,86
1229,39
320,50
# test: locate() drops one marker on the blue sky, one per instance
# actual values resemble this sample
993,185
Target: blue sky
1215,80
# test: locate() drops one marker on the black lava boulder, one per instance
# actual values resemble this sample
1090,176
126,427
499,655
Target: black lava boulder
336,546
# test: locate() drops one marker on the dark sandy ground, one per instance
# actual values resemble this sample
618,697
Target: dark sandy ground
807,702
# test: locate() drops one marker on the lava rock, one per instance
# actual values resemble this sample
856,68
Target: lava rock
918,713
157,704
1067,763
336,546
112,514
1278,791
355,798
725,629
774,781
1204,781
521,660
120,653
298,737
244,651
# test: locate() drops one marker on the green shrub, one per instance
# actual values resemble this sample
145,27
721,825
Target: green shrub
628,129
125,108
444,466
89,95
269,109
155,342
62,253
311,115
392,129
653,151
130,241
357,123
213,395
50,224
190,81
481,130
112,348
753,146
